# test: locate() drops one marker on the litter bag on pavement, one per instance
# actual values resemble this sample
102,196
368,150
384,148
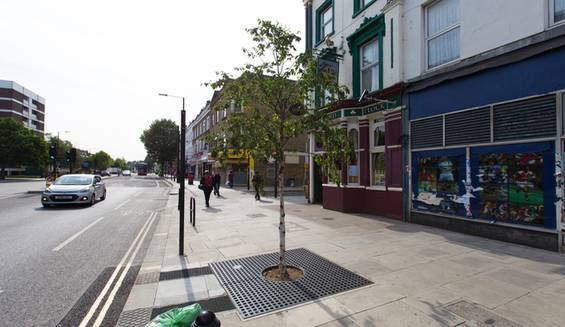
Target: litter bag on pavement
177,317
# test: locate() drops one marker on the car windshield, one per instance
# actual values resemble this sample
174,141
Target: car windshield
74,180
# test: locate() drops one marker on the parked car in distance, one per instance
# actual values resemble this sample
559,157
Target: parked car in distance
104,173
74,189
126,173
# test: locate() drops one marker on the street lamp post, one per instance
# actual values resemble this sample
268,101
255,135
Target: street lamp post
181,172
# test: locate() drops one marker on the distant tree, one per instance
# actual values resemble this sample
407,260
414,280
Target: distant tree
20,146
121,163
160,141
100,161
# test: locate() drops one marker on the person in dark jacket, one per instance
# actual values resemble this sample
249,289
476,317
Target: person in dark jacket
257,185
206,185
230,179
217,180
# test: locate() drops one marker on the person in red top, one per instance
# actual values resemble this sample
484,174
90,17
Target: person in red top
206,185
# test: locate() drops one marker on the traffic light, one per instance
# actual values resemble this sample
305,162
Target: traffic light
52,152
73,155
68,156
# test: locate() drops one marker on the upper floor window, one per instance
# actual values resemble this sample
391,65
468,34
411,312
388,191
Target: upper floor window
370,66
442,32
324,20
556,11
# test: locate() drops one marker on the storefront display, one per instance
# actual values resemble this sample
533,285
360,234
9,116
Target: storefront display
438,184
512,187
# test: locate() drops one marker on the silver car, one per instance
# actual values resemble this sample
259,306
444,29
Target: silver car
74,189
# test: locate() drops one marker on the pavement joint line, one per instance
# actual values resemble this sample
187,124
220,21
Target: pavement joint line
70,239
112,295
122,204
102,294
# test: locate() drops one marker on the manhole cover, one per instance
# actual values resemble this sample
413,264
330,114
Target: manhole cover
253,295
480,315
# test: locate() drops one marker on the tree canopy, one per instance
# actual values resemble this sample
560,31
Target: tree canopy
160,141
20,146
100,161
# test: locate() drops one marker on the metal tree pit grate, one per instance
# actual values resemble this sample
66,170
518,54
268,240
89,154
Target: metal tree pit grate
253,295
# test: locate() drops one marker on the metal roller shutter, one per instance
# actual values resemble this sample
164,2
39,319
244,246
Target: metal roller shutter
468,127
427,133
531,118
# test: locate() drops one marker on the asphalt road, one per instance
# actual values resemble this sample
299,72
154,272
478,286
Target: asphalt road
55,262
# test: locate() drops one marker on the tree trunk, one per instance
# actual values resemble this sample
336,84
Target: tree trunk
282,229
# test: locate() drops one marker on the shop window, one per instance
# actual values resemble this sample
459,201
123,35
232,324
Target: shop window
442,32
556,11
379,134
353,168
437,184
512,187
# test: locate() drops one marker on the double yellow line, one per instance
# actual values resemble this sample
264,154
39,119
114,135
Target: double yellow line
121,269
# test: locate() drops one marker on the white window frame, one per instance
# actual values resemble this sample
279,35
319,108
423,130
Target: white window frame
376,149
428,38
552,21
358,157
376,64
324,24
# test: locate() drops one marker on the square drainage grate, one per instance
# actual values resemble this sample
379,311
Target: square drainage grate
253,295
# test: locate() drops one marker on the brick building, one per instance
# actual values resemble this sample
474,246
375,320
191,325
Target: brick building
23,105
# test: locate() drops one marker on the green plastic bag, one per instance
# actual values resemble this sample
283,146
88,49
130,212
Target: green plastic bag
177,317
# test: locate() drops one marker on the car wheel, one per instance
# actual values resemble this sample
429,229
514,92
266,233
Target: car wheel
92,200
103,197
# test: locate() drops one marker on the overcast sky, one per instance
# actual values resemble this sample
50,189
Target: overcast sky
100,64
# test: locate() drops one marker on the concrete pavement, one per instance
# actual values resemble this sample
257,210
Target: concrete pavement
422,276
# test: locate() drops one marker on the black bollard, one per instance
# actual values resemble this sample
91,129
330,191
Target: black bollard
206,319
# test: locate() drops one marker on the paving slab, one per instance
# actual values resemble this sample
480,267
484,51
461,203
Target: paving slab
395,314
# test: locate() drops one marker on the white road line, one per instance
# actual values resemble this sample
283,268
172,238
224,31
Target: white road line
112,295
122,204
157,183
102,294
70,239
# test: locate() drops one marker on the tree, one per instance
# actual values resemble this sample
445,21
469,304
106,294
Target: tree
100,161
121,163
273,89
20,146
161,141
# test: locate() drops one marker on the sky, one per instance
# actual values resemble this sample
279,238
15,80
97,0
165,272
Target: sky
101,64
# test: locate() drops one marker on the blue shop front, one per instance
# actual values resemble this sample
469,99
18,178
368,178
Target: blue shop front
486,147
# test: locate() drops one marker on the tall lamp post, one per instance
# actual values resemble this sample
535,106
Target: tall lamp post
181,171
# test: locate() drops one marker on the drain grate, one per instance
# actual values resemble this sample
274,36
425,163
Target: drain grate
253,295
135,318
185,273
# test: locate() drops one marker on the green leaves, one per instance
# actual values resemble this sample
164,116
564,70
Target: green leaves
160,140
20,146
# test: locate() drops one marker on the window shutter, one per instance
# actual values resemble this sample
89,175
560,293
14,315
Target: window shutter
531,118
468,127
427,133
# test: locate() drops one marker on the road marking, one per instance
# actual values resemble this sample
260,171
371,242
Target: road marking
70,239
122,204
156,183
106,288
112,295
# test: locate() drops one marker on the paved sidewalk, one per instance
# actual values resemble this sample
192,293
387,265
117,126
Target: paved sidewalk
422,276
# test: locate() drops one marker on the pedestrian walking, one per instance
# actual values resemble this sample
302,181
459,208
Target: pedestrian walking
206,185
257,185
230,179
217,180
